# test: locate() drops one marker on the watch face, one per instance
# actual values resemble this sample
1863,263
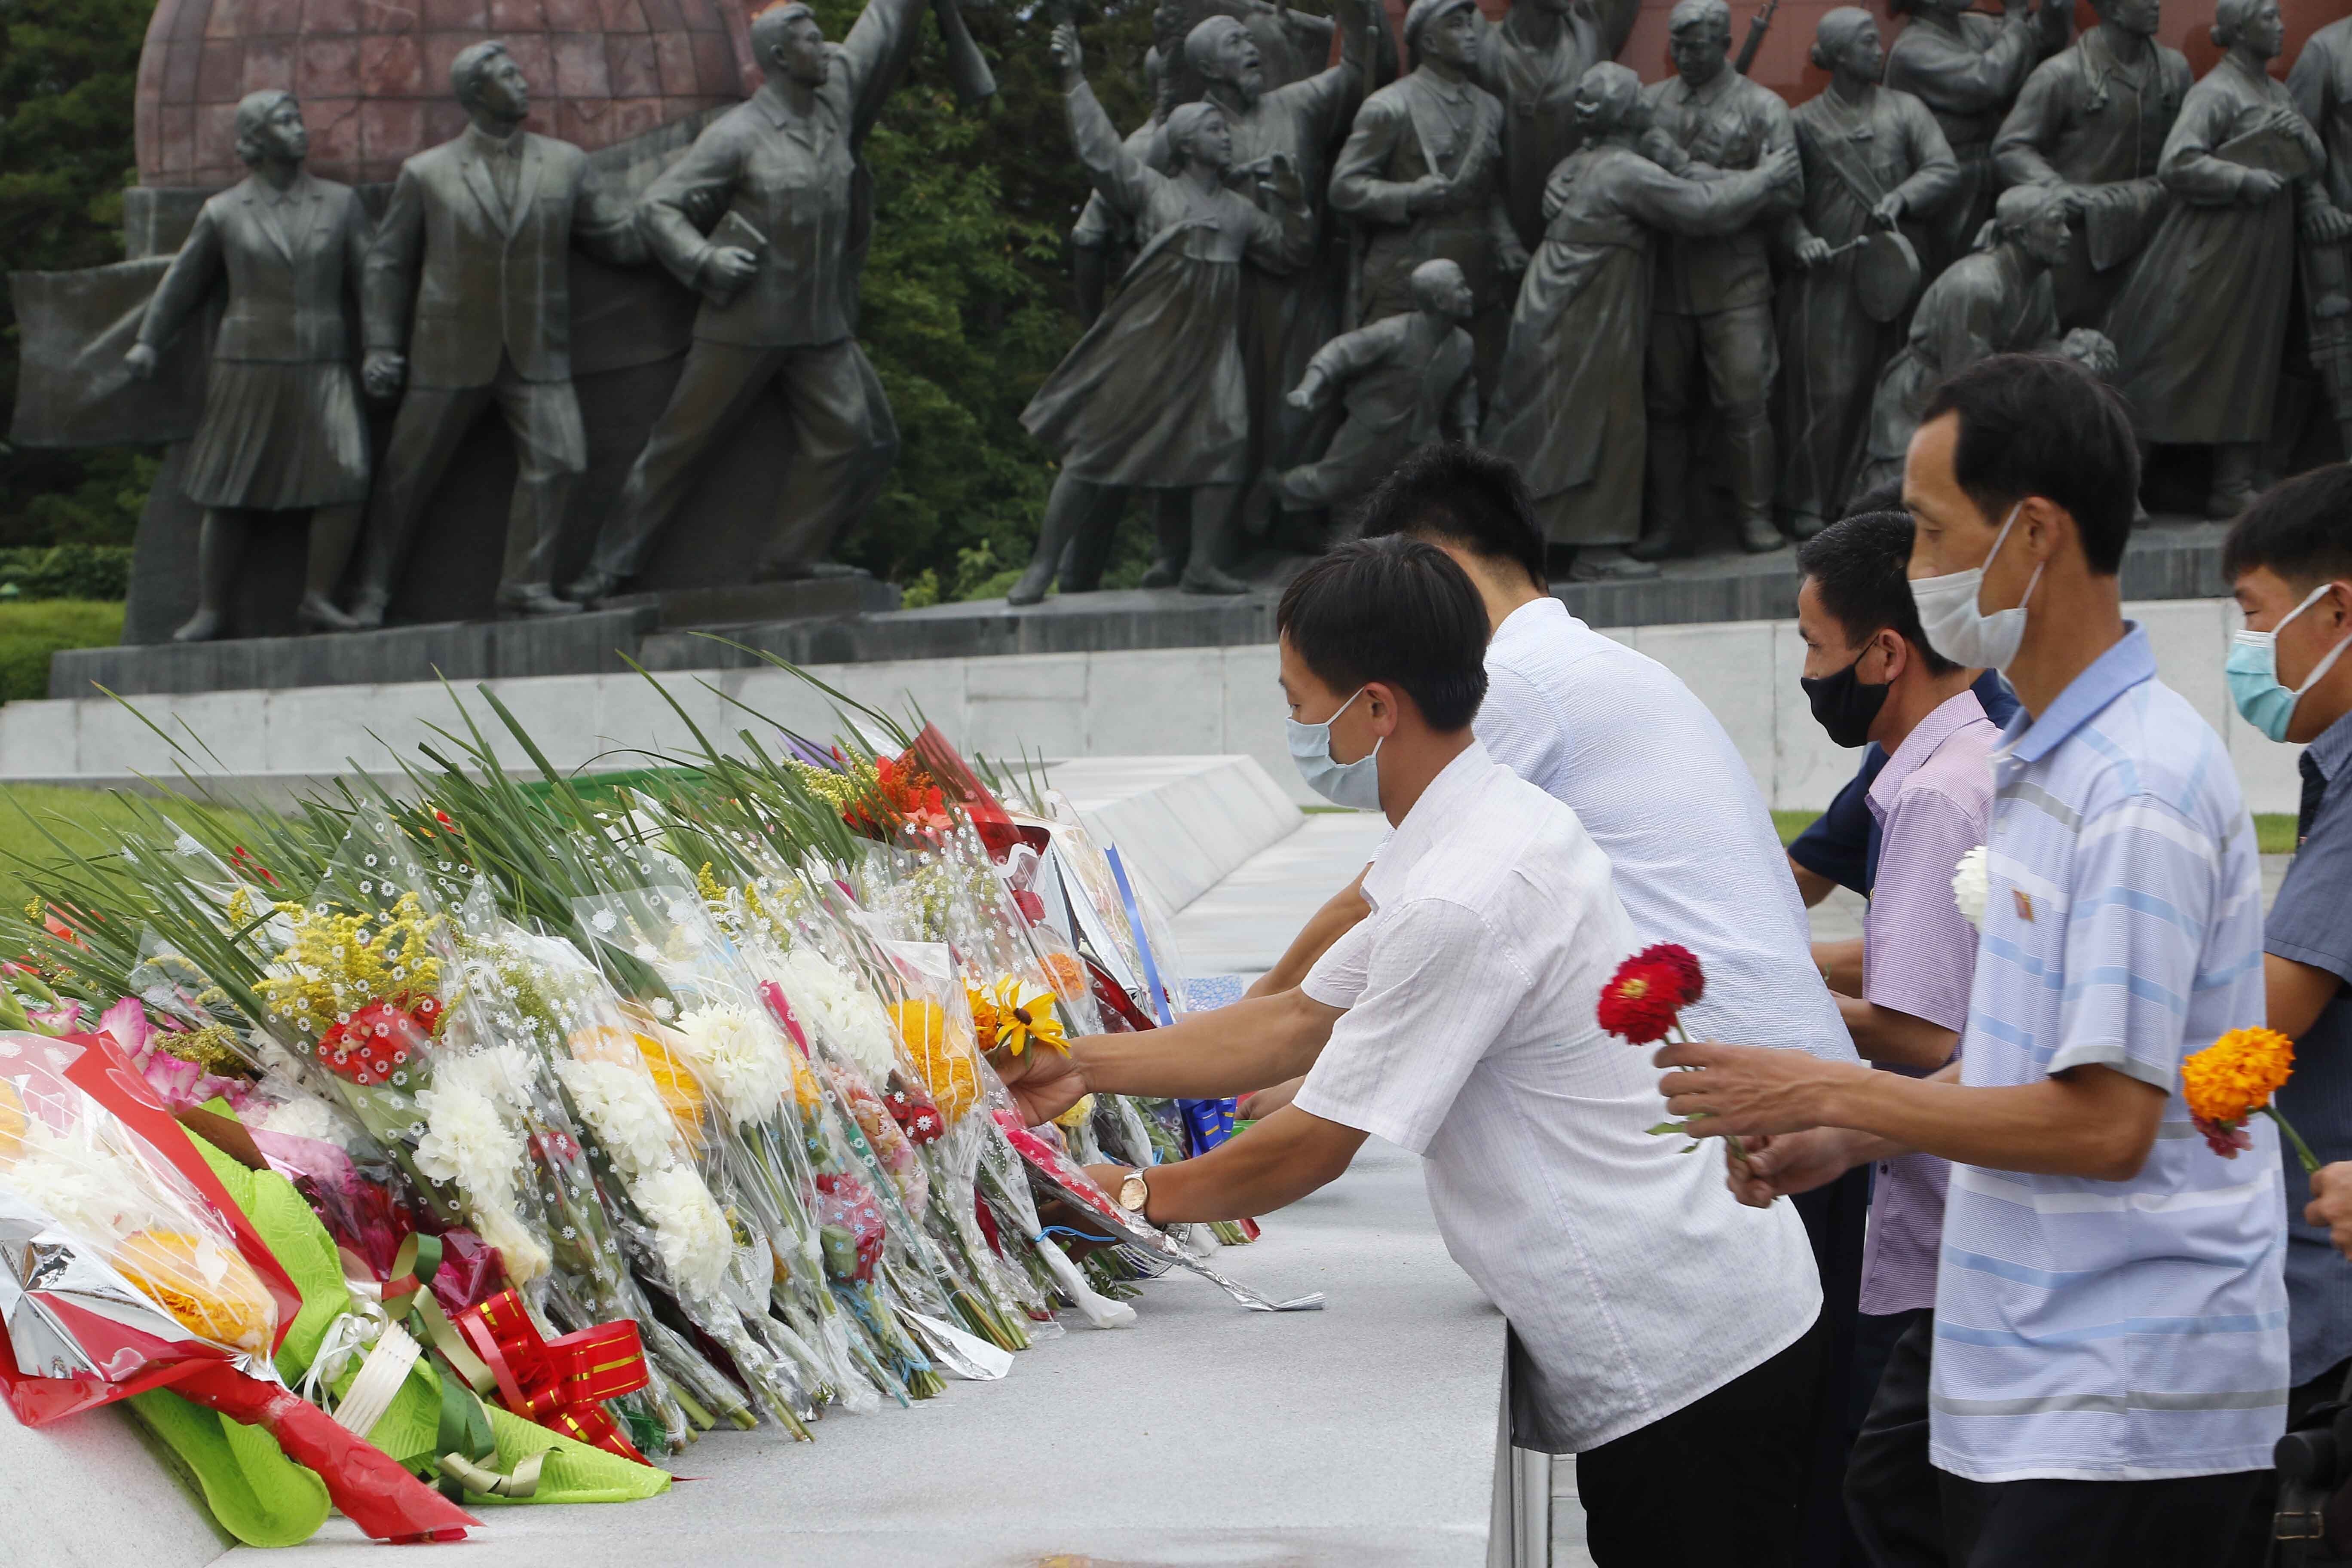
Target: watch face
1132,1194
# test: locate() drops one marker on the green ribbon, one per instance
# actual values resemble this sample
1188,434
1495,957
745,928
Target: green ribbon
464,1439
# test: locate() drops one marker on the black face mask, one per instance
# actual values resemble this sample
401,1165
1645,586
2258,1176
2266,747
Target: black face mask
1845,705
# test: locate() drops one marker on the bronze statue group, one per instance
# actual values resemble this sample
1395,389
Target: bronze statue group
1647,297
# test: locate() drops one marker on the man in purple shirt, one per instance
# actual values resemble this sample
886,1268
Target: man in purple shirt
1870,676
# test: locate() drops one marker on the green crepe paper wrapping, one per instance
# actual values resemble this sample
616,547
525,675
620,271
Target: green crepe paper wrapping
263,1498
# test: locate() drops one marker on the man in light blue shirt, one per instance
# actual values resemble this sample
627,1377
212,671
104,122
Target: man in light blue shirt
2110,1363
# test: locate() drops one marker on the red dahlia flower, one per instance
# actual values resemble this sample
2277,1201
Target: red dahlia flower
1640,1001
1683,961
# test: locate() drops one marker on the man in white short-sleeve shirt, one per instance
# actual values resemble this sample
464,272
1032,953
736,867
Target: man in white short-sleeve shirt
1666,1334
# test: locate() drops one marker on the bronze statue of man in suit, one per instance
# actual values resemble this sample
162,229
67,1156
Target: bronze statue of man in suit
779,279
281,428
468,299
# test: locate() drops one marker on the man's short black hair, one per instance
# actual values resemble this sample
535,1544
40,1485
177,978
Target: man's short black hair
2035,425
1887,497
2301,530
1396,610
1472,499
1858,565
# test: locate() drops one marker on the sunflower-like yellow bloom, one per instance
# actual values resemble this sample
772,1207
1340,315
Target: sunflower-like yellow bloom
1024,1013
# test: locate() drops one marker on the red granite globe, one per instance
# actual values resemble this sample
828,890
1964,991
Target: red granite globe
373,75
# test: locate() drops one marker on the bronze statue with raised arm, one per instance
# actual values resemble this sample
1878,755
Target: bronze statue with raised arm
778,278
1155,396
281,428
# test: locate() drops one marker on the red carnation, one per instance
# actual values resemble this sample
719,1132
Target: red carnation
1683,961
1640,1000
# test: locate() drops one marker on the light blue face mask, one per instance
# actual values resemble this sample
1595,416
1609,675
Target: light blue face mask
2252,673
1356,785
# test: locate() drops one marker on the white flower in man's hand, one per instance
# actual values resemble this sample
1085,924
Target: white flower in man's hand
1971,886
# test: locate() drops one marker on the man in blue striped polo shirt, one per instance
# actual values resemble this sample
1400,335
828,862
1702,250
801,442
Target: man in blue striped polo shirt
2110,1363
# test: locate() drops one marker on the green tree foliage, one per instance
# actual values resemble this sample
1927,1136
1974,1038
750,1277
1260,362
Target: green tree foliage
967,301
66,72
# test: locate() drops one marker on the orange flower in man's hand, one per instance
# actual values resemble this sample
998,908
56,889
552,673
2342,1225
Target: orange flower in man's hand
2232,1081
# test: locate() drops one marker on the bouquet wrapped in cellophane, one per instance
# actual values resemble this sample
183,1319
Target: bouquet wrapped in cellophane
541,994
823,1217
165,943
839,993
125,1267
373,985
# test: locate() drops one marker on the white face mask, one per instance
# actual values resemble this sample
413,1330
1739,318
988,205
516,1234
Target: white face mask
1355,785
1956,628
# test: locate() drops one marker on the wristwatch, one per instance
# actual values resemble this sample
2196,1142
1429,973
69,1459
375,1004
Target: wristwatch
1134,1192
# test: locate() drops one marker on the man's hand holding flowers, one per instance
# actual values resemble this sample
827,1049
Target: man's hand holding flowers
1736,1091
1043,1083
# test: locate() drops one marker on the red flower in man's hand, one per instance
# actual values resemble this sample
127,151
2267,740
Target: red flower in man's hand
1640,1001
1683,961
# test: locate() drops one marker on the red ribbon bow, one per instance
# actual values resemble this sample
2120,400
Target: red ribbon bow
562,1384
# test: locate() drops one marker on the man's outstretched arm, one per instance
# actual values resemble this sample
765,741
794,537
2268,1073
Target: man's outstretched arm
1276,1162
1340,915
1257,1041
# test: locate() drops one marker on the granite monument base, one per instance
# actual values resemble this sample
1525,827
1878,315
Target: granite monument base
852,620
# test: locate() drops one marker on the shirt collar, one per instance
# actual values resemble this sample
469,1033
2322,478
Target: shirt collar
1531,619
1441,808
1954,713
489,146
262,191
1716,86
2333,748
2031,737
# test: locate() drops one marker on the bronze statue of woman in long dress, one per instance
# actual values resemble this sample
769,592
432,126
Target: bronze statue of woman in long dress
2202,323
1155,396
1568,405
281,428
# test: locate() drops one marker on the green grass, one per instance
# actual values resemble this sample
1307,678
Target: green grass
2273,830
87,820
31,631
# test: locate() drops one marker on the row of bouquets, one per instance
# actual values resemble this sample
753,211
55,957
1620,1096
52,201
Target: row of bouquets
542,1132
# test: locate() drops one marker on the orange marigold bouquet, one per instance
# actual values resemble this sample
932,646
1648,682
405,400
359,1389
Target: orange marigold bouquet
2232,1081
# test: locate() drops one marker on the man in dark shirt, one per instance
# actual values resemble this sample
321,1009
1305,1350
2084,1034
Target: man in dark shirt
2289,560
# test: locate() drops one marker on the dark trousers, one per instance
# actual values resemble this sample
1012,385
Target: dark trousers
1717,1482
2253,1550
1909,1514
2190,1522
551,450
843,442
1893,1494
1836,1218
1739,355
